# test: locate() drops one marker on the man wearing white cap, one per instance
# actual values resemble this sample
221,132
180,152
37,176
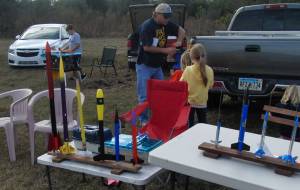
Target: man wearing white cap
153,52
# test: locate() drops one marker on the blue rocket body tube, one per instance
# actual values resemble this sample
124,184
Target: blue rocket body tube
240,145
117,132
243,127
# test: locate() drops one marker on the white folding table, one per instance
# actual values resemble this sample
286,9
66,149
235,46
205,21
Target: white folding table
181,155
139,180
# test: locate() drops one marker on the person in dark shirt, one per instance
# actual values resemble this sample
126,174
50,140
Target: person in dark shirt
152,54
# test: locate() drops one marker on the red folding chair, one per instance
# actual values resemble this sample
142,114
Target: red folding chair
167,101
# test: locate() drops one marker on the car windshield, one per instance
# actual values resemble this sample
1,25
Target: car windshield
40,32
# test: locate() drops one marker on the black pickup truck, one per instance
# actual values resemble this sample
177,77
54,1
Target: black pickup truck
140,13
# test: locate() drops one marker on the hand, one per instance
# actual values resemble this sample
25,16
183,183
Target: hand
63,50
170,51
178,44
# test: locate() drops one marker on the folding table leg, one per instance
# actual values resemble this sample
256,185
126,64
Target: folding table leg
187,181
83,178
48,176
173,180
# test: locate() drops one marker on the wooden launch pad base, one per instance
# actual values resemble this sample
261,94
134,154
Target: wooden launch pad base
117,167
282,168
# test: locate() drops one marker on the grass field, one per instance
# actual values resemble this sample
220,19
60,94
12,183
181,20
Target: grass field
118,90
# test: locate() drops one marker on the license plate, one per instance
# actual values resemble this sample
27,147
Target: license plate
253,84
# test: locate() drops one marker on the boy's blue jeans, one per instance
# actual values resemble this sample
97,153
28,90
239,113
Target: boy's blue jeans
143,74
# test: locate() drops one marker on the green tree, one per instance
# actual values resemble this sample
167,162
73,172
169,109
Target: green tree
8,15
98,5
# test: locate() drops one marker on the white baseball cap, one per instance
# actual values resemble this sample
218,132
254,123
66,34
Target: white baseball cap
164,9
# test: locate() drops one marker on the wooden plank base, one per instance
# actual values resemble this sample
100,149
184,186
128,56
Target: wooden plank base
211,155
117,167
281,167
284,172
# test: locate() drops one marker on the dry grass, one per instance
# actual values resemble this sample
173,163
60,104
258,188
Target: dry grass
119,90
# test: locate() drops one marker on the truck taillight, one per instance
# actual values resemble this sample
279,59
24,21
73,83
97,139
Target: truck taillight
129,43
218,84
276,6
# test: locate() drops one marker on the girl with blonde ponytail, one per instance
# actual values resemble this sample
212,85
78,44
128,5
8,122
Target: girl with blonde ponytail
200,79
184,62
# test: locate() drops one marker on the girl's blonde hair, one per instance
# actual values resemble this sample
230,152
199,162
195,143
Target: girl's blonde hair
185,59
291,95
198,56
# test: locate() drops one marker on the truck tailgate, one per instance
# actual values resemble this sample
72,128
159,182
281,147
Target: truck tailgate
253,54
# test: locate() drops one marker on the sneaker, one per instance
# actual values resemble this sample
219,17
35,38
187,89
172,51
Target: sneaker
112,182
83,76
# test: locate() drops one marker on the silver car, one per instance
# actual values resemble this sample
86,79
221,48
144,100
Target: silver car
29,48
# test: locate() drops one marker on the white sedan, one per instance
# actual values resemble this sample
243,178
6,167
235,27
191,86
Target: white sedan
29,48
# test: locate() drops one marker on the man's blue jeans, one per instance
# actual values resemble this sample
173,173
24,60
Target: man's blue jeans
143,74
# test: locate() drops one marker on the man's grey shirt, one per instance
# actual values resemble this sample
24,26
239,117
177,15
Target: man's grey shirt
74,40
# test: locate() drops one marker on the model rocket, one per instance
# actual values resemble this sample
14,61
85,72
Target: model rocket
217,139
288,158
100,116
260,152
117,132
240,145
81,121
66,148
54,139
134,135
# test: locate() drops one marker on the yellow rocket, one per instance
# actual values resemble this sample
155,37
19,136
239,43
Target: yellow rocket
81,120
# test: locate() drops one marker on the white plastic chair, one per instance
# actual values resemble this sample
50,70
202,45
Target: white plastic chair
17,114
45,125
